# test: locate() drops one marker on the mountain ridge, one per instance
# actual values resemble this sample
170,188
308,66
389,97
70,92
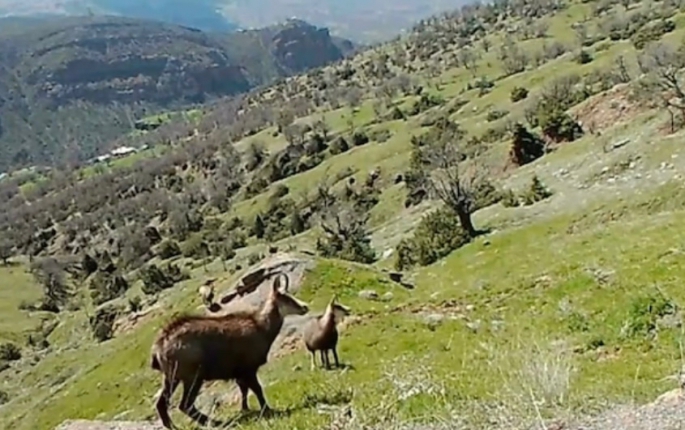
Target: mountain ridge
368,21
119,69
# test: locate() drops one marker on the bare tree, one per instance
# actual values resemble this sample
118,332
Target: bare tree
353,98
468,60
622,69
448,176
284,119
513,59
344,225
581,34
321,126
51,275
663,64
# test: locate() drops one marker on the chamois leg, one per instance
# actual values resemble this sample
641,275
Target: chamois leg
335,356
256,388
244,386
190,391
313,366
168,387
324,358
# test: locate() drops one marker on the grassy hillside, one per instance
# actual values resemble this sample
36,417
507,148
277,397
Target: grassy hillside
545,124
69,86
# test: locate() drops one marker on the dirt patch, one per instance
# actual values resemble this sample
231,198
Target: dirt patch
667,412
605,110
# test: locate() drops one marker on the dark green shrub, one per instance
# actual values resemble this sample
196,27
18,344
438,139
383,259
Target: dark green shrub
643,315
651,32
105,287
509,199
438,234
397,114
518,94
526,146
339,146
485,194
102,322
254,258
135,304
9,352
559,126
195,247
359,138
156,279
495,114
536,192
168,249
583,57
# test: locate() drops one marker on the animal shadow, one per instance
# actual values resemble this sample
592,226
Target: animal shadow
342,367
251,416
335,398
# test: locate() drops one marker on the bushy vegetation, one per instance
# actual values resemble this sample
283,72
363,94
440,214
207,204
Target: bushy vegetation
438,234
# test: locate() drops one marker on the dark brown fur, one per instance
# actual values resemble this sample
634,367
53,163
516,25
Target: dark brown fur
321,334
193,349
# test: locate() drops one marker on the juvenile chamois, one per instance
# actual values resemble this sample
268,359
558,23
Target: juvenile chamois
321,333
207,293
193,349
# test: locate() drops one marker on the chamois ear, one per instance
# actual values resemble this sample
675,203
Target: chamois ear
333,299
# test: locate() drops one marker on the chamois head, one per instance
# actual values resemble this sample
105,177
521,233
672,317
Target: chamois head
338,310
287,304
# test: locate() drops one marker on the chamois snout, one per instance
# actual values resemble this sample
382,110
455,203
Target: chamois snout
289,305
340,312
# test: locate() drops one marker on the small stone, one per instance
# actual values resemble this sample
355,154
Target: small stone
473,325
368,295
387,296
434,320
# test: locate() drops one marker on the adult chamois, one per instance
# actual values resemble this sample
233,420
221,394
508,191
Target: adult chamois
192,349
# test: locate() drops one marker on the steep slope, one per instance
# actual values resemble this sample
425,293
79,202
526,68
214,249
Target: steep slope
117,68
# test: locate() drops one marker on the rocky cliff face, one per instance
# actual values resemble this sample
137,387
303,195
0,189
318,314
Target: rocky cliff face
94,73
128,61
300,46
104,60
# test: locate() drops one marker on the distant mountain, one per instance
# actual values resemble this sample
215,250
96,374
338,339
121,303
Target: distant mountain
359,20
201,14
74,83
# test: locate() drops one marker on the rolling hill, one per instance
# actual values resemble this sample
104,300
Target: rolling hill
78,82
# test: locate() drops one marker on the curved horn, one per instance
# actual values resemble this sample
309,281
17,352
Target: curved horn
286,285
